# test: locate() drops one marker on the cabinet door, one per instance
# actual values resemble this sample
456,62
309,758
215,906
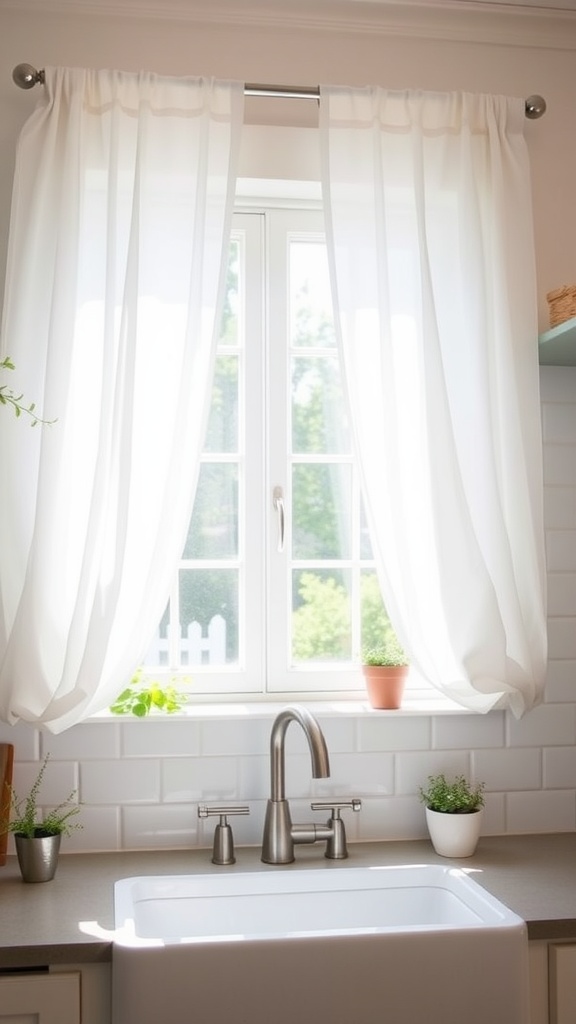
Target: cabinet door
40,999
562,970
538,959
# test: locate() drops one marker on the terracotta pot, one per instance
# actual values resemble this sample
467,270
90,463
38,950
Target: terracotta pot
385,685
454,835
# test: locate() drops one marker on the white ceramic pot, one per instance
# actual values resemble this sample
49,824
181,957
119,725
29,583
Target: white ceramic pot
454,835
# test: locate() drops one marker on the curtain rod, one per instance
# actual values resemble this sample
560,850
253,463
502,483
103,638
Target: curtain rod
26,77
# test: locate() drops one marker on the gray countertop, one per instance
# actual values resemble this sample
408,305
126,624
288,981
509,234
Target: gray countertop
71,918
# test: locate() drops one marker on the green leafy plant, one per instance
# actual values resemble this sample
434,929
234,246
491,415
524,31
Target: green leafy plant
389,653
26,819
140,697
456,797
9,397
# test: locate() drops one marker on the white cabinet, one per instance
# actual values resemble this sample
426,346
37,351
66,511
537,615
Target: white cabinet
552,982
43,998
562,981
70,994
538,960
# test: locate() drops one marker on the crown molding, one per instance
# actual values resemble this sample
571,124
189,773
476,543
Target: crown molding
523,24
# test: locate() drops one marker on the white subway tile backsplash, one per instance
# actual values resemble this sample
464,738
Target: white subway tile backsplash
559,423
560,681
561,550
562,593
560,508
166,826
244,736
562,637
86,741
204,779
26,741
550,811
254,778
503,770
466,731
559,765
157,737
383,733
100,831
547,725
59,780
124,782
391,819
412,770
494,821
363,774
559,465
557,384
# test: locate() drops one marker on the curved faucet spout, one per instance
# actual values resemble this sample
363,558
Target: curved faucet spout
279,833
316,742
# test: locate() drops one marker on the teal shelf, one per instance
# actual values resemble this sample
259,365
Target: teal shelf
557,347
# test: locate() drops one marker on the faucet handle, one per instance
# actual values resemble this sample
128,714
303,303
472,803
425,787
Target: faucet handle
338,805
223,851
336,847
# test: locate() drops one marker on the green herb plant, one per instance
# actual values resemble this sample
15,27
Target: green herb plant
9,397
455,797
140,697
389,653
26,819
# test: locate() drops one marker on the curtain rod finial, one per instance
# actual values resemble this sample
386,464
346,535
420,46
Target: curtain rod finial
535,107
26,77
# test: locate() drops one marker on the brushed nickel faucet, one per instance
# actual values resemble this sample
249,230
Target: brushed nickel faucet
280,835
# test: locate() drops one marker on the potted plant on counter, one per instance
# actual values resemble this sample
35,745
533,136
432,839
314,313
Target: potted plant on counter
454,811
385,668
37,836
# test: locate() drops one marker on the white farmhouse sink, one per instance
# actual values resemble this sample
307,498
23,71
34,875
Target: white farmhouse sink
401,945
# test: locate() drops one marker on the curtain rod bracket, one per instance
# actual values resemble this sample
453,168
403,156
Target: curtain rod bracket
26,77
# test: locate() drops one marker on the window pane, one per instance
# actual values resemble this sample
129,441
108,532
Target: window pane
366,552
222,431
321,511
209,616
375,621
319,422
213,531
311,321
231,314
321,618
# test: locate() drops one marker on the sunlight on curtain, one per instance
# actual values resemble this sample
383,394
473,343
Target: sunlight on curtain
122,205
429,225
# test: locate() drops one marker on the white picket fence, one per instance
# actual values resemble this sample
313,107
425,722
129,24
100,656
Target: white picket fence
194,647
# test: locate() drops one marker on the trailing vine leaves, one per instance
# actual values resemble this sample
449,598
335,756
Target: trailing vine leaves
10,398
140,699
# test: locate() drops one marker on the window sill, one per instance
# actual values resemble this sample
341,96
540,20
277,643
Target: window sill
414,707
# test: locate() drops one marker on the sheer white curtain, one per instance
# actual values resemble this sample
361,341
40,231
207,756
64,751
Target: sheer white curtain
429,225
122,204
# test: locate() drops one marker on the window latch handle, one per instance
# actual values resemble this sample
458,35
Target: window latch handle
278,503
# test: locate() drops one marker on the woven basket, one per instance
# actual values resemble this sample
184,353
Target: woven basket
562,303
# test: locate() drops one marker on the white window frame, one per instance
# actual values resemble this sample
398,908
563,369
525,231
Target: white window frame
253,678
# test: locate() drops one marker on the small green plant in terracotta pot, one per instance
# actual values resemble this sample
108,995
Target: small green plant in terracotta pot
454,811
385,668
37,835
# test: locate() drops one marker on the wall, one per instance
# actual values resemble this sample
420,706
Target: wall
140,781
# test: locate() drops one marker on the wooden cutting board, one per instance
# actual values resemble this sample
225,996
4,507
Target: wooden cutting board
6,762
